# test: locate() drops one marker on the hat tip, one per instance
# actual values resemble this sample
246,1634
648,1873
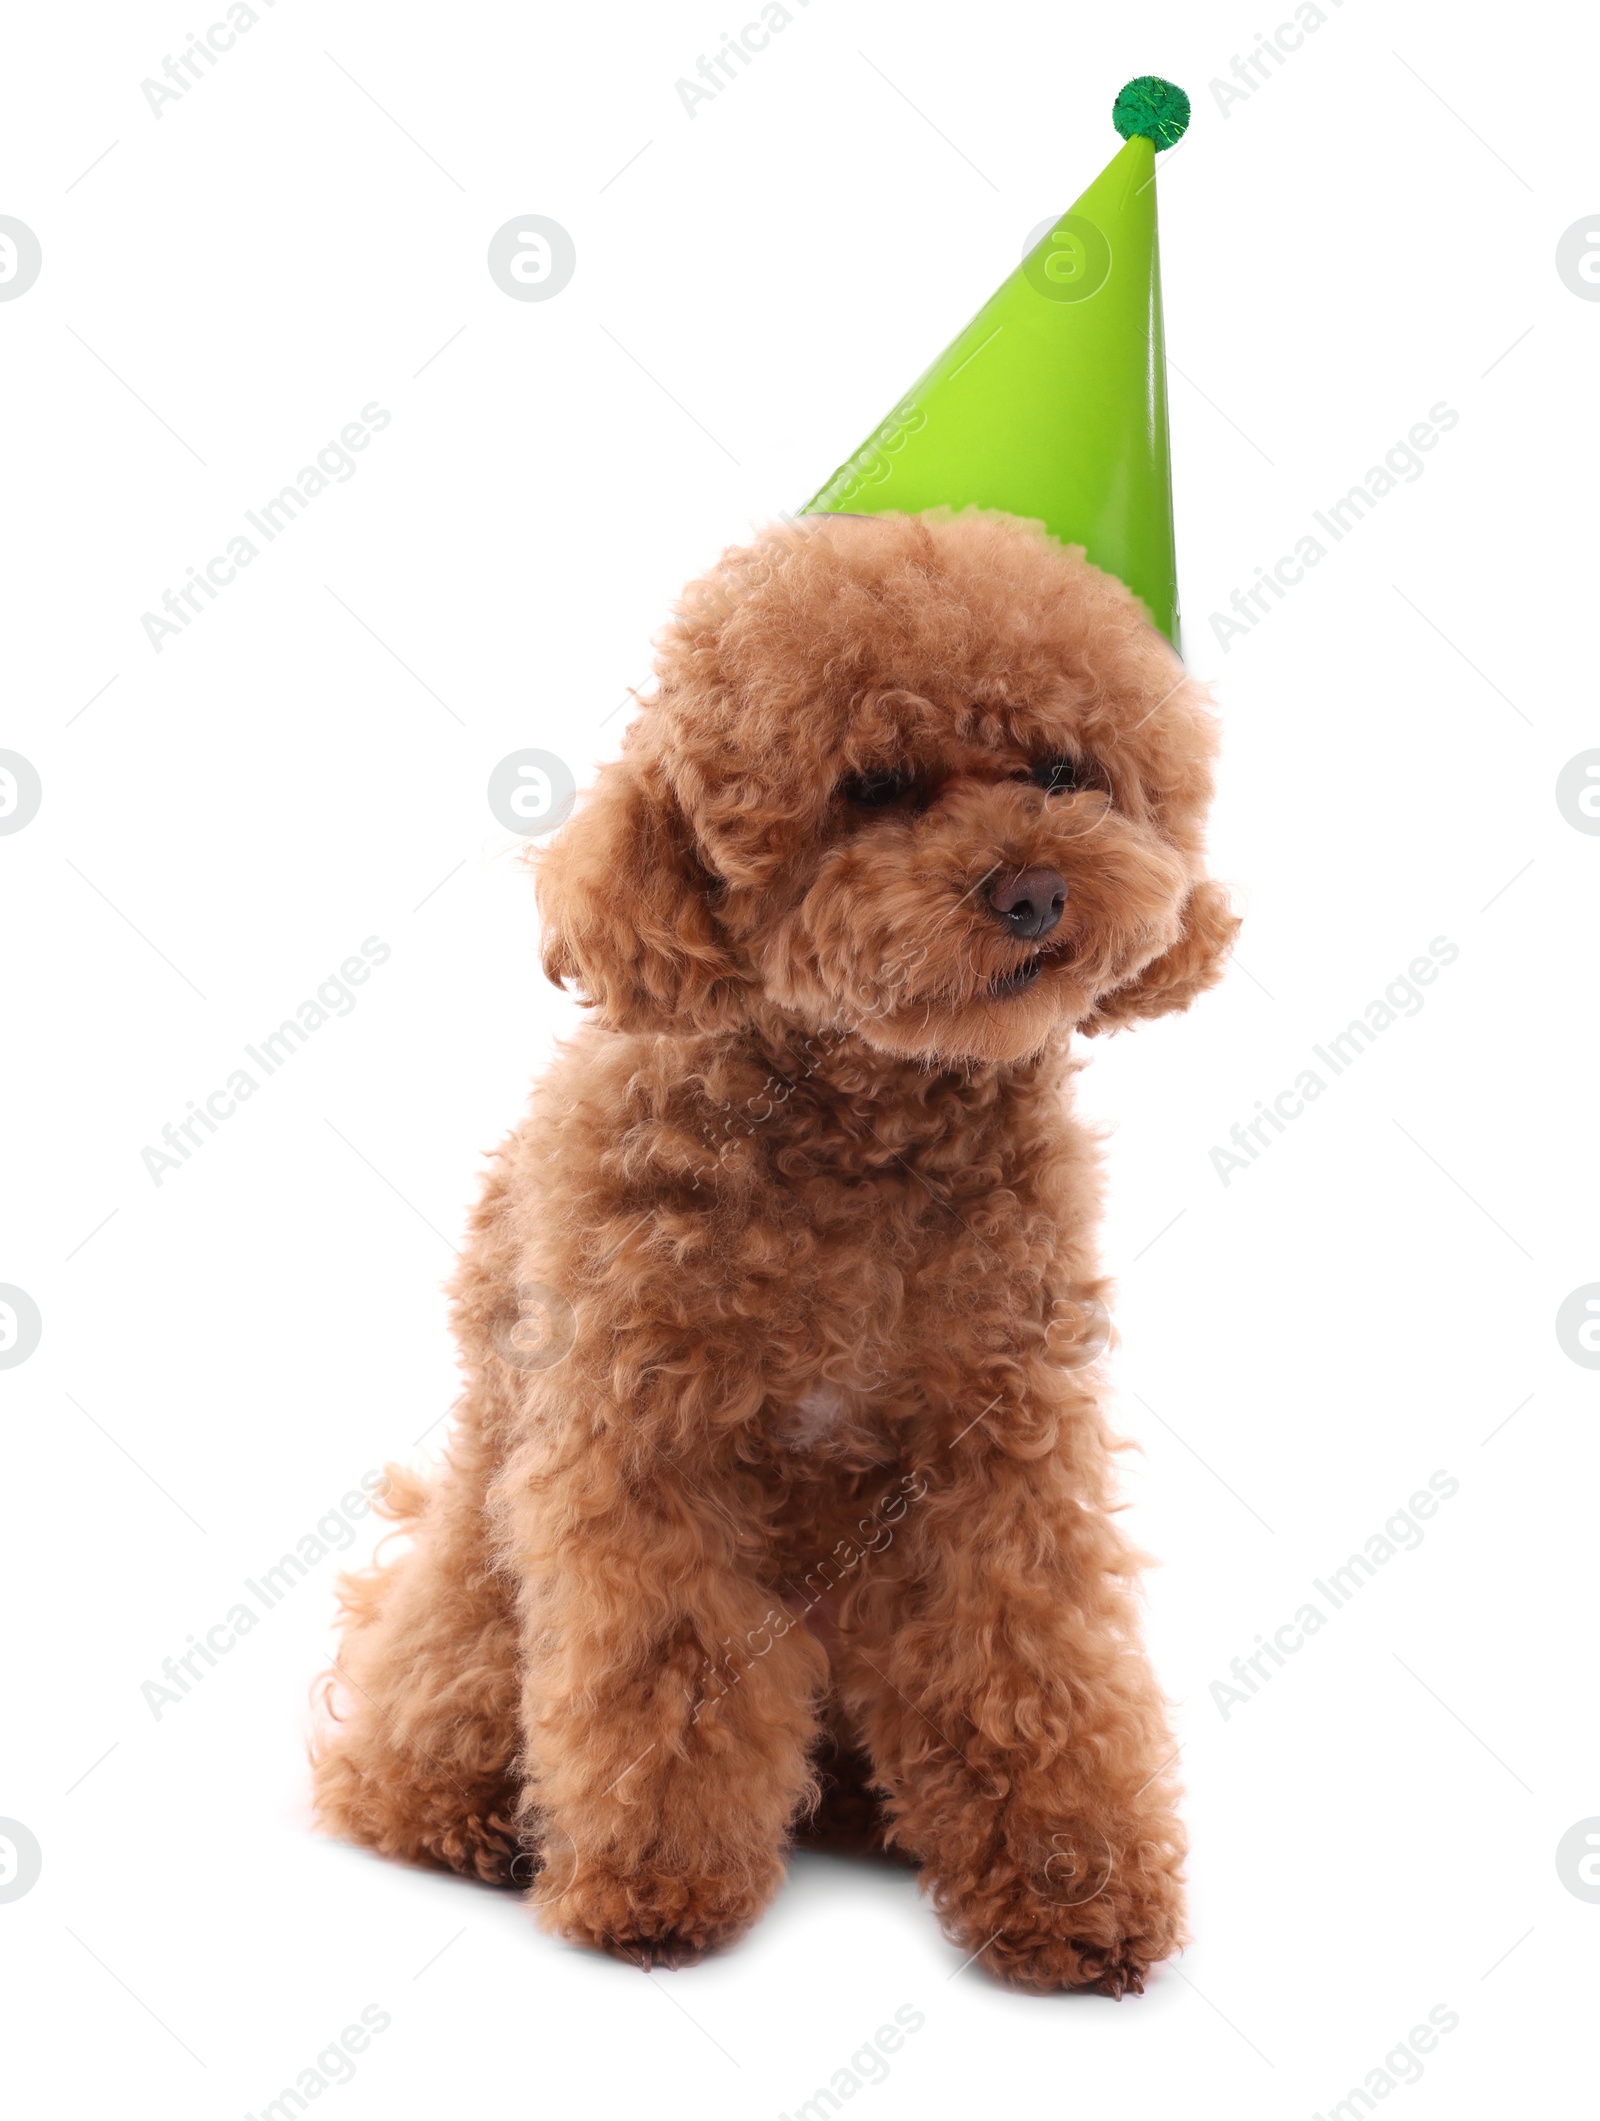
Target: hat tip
1151,109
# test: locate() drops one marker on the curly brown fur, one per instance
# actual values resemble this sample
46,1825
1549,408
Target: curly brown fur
809,1531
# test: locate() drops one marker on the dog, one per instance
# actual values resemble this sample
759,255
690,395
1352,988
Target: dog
778,1505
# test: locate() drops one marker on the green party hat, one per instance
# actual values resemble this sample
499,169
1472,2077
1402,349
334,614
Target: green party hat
1052,404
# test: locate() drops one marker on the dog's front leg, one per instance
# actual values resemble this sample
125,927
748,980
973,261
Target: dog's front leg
668,1702
1014,1724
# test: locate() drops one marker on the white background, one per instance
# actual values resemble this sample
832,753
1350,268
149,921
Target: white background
1369,233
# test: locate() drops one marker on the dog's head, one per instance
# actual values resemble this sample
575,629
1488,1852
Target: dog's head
936,781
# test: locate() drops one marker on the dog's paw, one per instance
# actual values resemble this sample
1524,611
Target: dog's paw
652,1917
1029,1935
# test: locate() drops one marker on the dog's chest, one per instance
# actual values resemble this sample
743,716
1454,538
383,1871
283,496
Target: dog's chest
832,1422
896,1294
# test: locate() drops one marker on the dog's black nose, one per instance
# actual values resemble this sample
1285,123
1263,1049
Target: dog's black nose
1030,901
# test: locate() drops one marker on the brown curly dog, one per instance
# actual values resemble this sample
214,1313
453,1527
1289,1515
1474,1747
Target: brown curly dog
778,1502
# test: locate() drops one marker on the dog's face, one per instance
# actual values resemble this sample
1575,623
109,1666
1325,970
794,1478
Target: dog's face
932,780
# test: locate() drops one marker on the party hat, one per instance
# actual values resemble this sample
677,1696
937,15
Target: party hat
1052,404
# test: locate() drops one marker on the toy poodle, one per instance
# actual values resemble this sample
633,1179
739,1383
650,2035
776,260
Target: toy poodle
778,1503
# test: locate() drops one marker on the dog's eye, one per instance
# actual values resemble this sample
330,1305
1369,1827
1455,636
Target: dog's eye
870,791
1061,776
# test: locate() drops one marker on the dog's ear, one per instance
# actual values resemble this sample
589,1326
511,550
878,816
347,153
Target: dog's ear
627,909
1171,981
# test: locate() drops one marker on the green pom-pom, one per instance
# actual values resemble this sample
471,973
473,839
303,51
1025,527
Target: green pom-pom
1153,109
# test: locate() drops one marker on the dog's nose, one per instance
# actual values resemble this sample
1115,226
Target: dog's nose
1030,901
